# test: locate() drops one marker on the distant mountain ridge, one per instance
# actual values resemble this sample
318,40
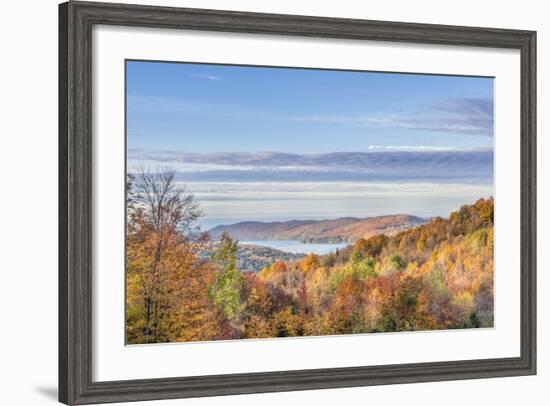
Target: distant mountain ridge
345,229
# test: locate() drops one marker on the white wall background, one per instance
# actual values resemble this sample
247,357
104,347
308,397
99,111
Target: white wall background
28,201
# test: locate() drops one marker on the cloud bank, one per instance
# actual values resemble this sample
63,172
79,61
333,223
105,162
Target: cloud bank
473,166
226,203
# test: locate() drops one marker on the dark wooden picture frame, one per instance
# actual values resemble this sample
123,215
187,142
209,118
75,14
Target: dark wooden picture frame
76,20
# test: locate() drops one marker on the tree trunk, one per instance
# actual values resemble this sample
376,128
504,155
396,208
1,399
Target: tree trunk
148,317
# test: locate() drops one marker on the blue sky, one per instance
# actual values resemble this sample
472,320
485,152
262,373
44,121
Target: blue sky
230,125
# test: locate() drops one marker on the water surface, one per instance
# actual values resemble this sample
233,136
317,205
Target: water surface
296,246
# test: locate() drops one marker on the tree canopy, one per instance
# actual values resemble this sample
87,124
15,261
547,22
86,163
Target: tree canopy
438,275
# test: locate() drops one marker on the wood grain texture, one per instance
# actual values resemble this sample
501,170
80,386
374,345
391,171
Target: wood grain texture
63,365
76,20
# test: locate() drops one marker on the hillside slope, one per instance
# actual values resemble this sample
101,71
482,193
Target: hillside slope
346,229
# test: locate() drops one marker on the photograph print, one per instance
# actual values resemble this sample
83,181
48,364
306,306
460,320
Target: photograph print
268,202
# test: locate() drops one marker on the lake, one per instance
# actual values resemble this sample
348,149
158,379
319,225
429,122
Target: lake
296,246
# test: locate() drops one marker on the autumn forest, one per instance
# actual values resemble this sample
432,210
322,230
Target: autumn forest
183,285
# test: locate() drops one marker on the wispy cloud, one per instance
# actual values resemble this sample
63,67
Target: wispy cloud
481,108
206,76
456,115
473,116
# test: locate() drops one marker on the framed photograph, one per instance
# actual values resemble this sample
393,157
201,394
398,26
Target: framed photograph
259,202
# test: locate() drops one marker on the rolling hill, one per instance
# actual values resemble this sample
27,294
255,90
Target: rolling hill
346,229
